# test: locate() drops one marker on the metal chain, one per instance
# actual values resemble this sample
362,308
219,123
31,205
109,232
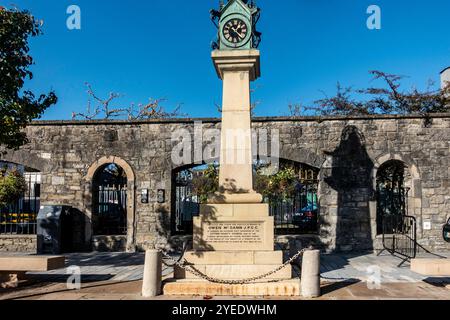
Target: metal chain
191,268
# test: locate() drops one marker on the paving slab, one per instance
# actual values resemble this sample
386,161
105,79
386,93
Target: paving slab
118,276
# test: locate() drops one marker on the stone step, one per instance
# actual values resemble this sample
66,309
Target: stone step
235,272
31,263
213,211
431,267
234,257
287,288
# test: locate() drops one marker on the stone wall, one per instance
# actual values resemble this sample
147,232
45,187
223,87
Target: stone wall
348,151
18,243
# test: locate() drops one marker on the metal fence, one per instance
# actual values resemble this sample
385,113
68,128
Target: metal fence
400,236
20,217
187,206
110,211
298,214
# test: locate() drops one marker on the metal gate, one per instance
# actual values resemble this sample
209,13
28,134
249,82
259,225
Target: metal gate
400,236
110,212
398,229
187,204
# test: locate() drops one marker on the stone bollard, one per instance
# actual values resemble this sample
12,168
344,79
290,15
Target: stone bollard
310,281
151,285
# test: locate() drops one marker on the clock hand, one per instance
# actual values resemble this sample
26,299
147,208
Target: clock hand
238,33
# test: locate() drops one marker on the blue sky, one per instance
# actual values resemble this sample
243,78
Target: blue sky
161,49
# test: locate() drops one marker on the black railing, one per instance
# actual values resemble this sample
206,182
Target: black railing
186,208
298,214
400,236
20,218
110,211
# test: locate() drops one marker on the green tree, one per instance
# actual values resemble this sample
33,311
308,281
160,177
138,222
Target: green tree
18,107
279,185
206,182
12,186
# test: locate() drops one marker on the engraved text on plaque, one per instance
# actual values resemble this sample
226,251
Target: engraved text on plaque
235,232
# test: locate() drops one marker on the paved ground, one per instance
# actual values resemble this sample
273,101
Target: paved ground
118,276
330,291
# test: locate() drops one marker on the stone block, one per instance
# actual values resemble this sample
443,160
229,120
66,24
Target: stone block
431,267
236,272
31,263
212,211
289,288
56,181
235,257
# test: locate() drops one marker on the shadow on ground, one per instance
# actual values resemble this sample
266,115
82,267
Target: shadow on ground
105,259
438,282
335,286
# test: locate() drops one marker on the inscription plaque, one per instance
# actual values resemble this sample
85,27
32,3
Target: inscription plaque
235,232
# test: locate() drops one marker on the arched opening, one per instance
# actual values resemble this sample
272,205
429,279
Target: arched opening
392,194
109,208
185,199
290,189
124,192
18,212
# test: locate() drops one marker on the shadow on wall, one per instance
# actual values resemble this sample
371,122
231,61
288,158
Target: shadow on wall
351,179
79,220
178,243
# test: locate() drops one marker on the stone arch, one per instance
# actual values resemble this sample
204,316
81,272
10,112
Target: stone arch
108,160
412,181
131,195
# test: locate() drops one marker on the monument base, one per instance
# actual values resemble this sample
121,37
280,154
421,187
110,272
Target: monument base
235,272
234,241
235,265
285,288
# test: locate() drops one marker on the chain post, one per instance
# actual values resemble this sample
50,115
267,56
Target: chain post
191,269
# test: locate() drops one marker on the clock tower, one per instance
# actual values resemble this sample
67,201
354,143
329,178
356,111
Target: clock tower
237,63
233,238
236,22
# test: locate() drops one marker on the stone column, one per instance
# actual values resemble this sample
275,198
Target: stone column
233,235
237,69
310,280
151,284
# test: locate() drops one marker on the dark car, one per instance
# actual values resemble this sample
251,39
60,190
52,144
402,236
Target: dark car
306,219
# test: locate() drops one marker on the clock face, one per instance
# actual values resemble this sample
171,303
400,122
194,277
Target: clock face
235,31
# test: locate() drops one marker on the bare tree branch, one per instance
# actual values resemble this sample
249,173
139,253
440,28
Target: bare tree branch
151,110
387,99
